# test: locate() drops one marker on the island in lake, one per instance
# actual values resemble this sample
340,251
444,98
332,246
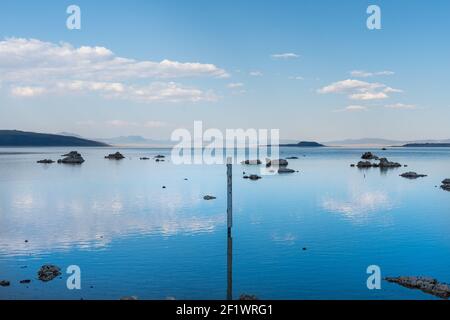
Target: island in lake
427,145
15,138
303,144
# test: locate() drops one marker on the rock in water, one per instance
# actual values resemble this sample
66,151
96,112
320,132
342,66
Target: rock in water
207,197
364,164
159,156
428,285
115,156
285,170
412,175
385,163
254,177
48,272
369,156
248,297
25,281
291,158
446,185
277,162
145,158
251,162
72,157
4,283
46,161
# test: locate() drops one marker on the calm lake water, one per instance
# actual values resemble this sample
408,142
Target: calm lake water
132,237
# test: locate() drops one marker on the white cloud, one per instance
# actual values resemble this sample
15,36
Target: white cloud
31,67
256,73
359,90
285,56
27,91
400,106
235,85
365,74
352,108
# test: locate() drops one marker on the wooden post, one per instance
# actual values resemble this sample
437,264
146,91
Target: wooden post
229,194
229,225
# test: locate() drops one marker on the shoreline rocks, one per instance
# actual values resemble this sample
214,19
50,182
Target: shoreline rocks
48,272
115,156
412,175
425,284
72,157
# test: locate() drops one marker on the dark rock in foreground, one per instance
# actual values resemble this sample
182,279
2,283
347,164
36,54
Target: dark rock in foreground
4,283
251,162
247,297
115,156
207,197
46,161
48,272
72,157
412,175
425,284
285,170
369,156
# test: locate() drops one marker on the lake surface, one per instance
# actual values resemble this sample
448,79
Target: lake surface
132,237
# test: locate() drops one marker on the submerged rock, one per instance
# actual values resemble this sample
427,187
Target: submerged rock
46,161
251,162
369,156
72,157
115,156
207,197
277,162
425,284
4,283
248,297
48,272
285,170
412,175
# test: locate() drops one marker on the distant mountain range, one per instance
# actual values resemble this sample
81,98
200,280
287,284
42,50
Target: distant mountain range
136,141
14,138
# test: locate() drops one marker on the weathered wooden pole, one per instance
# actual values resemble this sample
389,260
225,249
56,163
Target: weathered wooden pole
229,194
229,226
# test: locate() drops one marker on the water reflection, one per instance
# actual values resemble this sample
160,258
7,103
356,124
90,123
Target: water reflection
359,205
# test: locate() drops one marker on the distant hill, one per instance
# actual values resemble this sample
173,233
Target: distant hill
427,145
14,138
304,144
136,141
365,142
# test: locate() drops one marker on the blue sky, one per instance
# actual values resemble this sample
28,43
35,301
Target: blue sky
233,64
